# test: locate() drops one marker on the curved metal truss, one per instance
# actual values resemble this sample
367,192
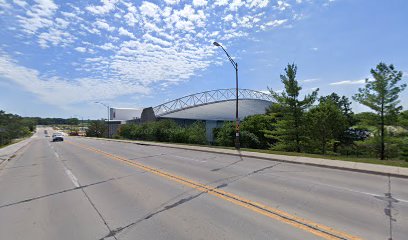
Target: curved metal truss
208,97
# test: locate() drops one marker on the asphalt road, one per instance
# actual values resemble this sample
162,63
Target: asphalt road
91,189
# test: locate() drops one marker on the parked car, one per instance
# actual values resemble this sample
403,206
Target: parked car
57,137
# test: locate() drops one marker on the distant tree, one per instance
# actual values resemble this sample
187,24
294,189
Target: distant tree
326,125
97,128
72,121
366,119
381,95
290,129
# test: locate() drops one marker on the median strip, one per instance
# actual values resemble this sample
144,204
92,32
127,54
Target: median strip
315,228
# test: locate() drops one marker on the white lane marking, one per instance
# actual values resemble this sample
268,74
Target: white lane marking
72,177
191,159
362,192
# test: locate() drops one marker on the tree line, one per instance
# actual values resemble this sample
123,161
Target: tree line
327,124
13,126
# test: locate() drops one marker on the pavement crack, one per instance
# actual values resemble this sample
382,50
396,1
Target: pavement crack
167,207
240,177
229,165
389,208
63,191
149,156
161,209
98,212
116,231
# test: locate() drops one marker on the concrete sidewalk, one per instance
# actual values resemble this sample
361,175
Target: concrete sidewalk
320,162
9,151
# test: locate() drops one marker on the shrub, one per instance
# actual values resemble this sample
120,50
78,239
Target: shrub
165,131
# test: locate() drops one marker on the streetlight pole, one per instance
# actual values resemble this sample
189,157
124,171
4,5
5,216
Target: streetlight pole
108,116
235,65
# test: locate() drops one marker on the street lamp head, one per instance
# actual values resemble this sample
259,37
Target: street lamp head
217,44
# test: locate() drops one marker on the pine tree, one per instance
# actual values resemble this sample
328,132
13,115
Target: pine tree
381,95
290,128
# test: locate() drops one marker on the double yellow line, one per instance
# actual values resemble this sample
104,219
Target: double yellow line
306,225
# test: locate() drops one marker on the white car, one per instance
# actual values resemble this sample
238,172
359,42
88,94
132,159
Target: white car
57,137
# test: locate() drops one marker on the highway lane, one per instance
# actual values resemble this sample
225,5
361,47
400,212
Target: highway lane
84,189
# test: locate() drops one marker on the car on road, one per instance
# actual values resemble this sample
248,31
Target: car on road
57,137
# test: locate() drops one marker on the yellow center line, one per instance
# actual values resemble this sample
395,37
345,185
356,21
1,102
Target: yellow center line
282,216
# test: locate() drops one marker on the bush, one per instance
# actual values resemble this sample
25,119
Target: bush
164,131
249,140
97,129
254,127
225,135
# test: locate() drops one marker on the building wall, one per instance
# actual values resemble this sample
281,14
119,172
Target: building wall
124,114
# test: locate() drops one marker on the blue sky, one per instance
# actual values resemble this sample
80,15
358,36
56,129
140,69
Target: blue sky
58,57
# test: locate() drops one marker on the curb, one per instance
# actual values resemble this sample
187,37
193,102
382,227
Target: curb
367,168
4,159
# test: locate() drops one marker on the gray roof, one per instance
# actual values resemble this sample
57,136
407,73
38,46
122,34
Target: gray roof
222,110
215,105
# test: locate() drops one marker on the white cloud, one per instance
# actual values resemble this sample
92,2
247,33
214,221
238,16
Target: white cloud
258,3
59,92
309,80
156,40
348,82
221,2
140,43
172,2
55,37
106,7
131,19
20,3
228,18
274,23
38,16
281,5
150,10
104,25
125,32
107,46
235,5
199,3
80,49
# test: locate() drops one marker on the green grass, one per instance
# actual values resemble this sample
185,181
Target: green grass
389,162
